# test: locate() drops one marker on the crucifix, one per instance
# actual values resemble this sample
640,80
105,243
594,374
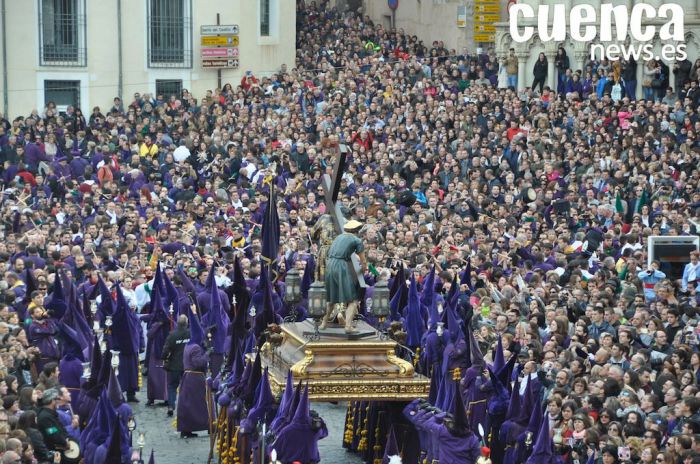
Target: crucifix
331,188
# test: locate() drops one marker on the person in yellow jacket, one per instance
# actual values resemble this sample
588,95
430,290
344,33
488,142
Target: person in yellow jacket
148,148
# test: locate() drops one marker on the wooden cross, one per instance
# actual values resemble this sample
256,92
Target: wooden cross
331,188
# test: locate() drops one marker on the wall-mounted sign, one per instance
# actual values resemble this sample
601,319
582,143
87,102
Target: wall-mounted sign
219,29
219,52
484,37
462,16
220,40
393,4
219,63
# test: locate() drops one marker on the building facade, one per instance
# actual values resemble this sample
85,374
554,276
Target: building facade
578,52
458,23
86,52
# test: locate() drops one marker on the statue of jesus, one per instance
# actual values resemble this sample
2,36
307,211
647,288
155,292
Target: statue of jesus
342,287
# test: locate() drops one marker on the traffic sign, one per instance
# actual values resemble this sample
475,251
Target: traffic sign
487,8
217,29
220,40
220,52
487,18
484,37
393,4
219,63
484,28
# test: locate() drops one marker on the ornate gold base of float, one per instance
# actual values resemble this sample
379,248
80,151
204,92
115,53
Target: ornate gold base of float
340,367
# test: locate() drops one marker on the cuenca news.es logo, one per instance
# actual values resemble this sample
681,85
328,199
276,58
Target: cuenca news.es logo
585,24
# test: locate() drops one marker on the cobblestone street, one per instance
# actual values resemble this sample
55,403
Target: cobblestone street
171,449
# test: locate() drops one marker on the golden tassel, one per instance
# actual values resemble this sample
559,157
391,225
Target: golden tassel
140,378
350,417
234,447
416,357
457,374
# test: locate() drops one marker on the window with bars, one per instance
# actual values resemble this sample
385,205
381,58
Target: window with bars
62,93
168,88
170,33
265,18
62,33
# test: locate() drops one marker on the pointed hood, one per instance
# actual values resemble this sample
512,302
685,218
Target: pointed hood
196,332
171,295
106,306
114,452
308,277
105,367
452,297
499,361
414,321
536,415
114,390
453,324
428,293
210,285
397,282
72,348
186,283
95,363
262,411
270,229
466,277
125,326
241,294
506,373
253,381
498,403
459,412
477,358
267,315
514,404
152,459
158,281
217,319
30,283
542,451
285,401
58,304
392,447
301,415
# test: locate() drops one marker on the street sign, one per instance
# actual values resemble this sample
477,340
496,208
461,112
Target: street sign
216,29
484,37
219,63
220,52
484,28
487,8
219,40
393,4
487,18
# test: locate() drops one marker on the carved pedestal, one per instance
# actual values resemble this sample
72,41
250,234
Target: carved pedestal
338,367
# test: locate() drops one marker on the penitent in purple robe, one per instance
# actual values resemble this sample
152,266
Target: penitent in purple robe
157,387
191,400
71,371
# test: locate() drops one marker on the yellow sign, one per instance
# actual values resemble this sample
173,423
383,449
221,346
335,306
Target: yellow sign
487,18
488,8
220,40
484,37
484,28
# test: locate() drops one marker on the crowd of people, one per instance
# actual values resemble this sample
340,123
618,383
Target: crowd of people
523,215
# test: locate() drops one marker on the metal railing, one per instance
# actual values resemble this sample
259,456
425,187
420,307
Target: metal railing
170,34
62,33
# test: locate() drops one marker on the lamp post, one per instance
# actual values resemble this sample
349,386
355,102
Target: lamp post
115,361
141,443
131,425
292,294
379,306
317,307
